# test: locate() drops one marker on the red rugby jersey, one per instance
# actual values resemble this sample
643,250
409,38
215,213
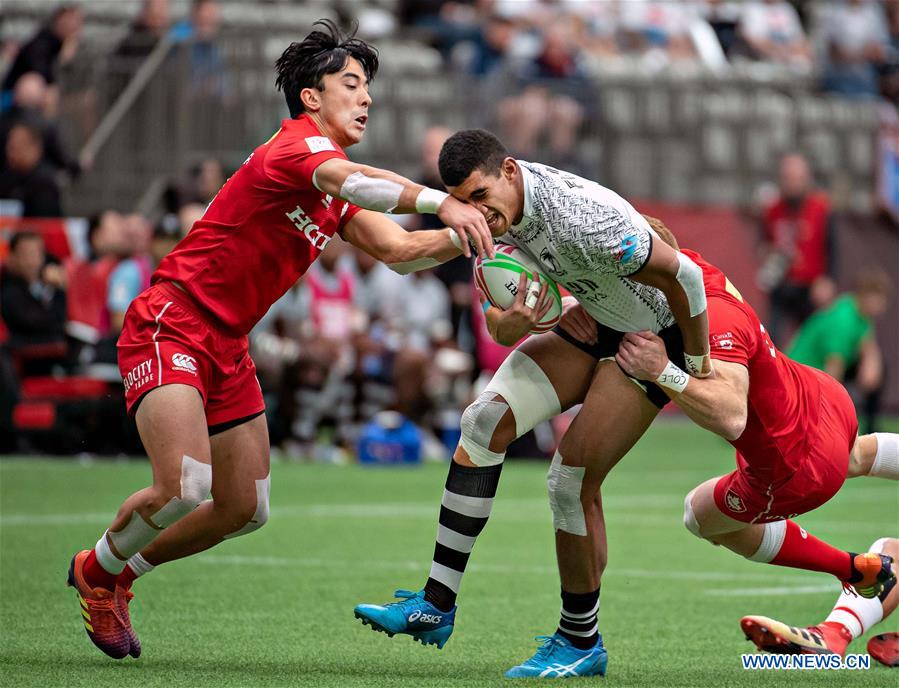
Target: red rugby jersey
262,231
784,396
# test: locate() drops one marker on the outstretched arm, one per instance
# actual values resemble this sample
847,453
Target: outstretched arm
387,192
402,251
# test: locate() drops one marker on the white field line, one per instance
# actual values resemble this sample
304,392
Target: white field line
510,569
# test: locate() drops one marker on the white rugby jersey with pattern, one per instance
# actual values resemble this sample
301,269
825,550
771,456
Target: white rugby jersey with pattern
589,239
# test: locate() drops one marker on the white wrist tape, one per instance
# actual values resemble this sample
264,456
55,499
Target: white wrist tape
689,275
371,193
673,378
455,238
429,200
695,364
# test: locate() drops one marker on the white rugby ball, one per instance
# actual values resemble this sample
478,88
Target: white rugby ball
498,278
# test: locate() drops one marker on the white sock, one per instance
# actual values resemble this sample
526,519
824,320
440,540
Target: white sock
139,566
855,612
109,561
886,460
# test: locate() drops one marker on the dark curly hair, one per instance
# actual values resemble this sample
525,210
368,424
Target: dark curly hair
304,64
469,150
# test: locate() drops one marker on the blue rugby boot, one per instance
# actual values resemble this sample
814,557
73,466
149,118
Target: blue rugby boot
412,615
558,658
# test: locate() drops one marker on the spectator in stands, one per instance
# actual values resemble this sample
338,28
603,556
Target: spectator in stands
200,32
842,341
199,186
132,275
29,103
798,238
32,293
771,31
491,46
549,101
455,274
26,177
88,315
151,25
599,26
658,26
856,37
723,16
55,43
890,76
444,23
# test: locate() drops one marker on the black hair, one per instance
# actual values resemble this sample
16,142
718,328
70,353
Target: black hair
24,235
469,150
304,64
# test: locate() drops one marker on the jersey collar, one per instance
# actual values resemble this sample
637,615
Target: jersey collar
527,182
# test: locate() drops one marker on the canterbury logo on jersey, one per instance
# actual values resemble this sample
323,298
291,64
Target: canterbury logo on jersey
310,230
185,363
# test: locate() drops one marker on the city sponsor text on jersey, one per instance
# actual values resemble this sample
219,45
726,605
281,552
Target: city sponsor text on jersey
312,231
140,375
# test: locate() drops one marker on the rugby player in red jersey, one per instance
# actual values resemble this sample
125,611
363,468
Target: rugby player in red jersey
795,432
189,379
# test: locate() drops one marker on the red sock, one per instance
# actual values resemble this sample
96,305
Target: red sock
126,578
95,575
801,550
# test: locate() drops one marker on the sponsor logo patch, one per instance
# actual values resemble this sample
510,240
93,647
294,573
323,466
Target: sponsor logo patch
733,502
139,375
184,362
627,248
317,144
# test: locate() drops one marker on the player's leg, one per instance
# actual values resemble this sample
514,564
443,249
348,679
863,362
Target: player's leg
172,426
780,542
875,455
239,504
615,414
540,378
851,617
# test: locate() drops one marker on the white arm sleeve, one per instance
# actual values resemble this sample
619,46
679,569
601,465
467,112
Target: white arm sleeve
370,193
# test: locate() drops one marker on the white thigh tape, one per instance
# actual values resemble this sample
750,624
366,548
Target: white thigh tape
260,518
196,482
564,486
689,275
527,390
382,195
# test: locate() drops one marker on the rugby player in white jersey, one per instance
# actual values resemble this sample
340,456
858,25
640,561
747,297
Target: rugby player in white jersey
624,279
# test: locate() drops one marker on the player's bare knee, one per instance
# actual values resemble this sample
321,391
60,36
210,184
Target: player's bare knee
254,514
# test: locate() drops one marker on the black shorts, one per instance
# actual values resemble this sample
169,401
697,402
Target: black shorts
607,346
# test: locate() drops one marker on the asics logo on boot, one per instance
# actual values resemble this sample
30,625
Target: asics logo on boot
424,618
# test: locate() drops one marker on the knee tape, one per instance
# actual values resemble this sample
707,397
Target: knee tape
690,521
527,391
196,482
263,487
479,422
564,486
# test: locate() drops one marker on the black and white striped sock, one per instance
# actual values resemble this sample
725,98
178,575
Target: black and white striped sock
578,621
464,510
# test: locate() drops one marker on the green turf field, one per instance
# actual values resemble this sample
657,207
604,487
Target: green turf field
275,608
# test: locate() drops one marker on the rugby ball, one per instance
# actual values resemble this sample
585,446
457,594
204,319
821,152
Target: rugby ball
498,278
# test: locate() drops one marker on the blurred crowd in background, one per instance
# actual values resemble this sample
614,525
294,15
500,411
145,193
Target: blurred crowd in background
352,339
